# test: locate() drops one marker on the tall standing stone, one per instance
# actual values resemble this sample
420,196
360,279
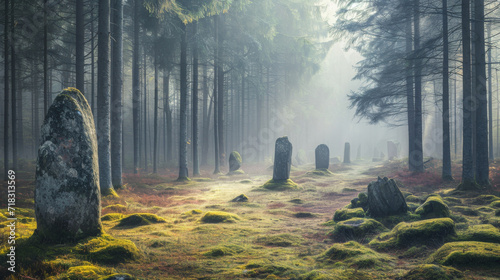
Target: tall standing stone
392,150
234,161
282,159
67,194
347,152
322,155
385,198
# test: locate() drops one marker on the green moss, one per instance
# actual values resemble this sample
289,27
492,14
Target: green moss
495,204
360,202
320,172
246,181
108,250
112,217
203,180
240,198
465,210
430,232
280,240
483,233
355,229
214,217
412,206
354,254
116,208
349,190
140,219
118,276
452,200
297,201
484,199
110,192
391,221
415,252
413,198
304,215
433,272
346,214
497,213
261,270
84,272
219,251
485,209
287,185
192,212
467,254
433,207
236,172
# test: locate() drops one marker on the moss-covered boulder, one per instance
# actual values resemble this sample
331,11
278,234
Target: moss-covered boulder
385,198
280,185
112,217
240,198
430,232
106,249
140,219
354,254
215,217
346,214
467,254
119,208
360,202
483,233
82,272
356,229
320,172
433,272
234,162
413,198
433,207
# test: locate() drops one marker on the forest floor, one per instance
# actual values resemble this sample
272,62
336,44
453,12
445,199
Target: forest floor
275,235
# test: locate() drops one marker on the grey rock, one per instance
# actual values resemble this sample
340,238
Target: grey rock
234,161
347,153
282,159
385,198
67,194
322,156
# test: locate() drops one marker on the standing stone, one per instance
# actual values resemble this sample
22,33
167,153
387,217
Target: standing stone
358,156
234,161
282,159
385,198
392,150
347,152
322,155
67,194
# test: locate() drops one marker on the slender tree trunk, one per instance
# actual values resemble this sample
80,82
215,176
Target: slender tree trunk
220,91
80,46
446,173
103,99
136,94
418,157
6,94
45,60
490,97
196,166
20,121
482,164
168,112
13,85
206,120
183,167
92,54
145,112
215,97
116,94
467,166
155,117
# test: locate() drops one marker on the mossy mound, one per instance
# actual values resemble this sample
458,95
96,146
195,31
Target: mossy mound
109,192
433,272
219,251
346,214
286,185
246,181
433,207
356,229
84,272
112,217
354,254
413,198
360,202
320,172
267,271
108,250
393,220
240,198
495,204
415,252
214,217
191,213
452,201
118,276
116,208
236,172
483,199
430,232
297,201
412,206
483,233
280,240
304,215
486,209
140,219
467,254
465,210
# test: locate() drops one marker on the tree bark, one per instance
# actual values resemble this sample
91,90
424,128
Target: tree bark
155,118
418,156
136,94
6,94
446,172
103,98
45,60
196,166
490,98
206,119
145,111
116,94
80,46
183,167
92,54
13,85
215,97
220,91
168,116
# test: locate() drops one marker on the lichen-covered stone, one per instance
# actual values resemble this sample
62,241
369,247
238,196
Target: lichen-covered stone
467,254
282,159
356,229
67,194
322,156
385,198
433,207
234,161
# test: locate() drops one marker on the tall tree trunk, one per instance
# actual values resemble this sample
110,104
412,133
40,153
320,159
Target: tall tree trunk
183,167
206,120
145,112
168,116
215,97
92,54
196,166
136,91
20,121
116,94
446,173
482,164
45,60
220,90
155,117
6,94
418,156
13,85
490,97
103,99
80,46
467,166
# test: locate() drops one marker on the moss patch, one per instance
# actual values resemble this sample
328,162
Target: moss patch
280,240
483,233
484,199
413,198
214,217
140,219
297,201
112,217
286,185
320,172
430,232
116,208
267,271
221,251
433,272
355,229
354,254
346,214
465,210
433,207
240,198
86,272
467,254
108,250
118,276
302,215
236,172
